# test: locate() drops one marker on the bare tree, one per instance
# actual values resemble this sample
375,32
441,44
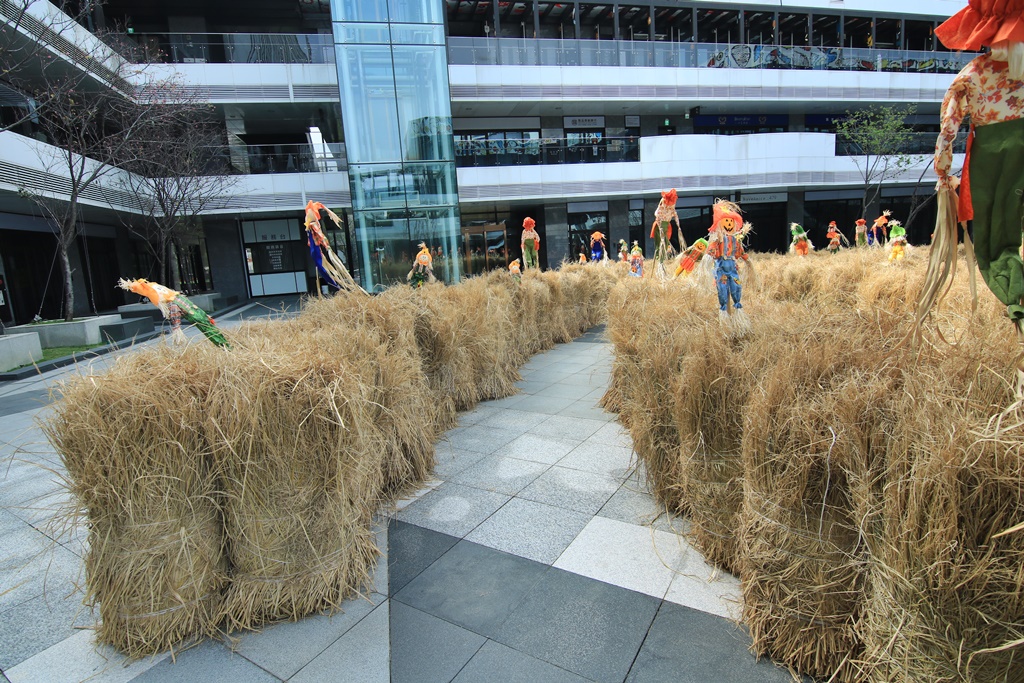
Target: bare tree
877,138
93,130
180,171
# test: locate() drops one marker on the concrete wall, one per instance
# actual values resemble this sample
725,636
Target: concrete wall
227,260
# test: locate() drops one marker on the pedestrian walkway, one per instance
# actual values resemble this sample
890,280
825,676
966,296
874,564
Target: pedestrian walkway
536,554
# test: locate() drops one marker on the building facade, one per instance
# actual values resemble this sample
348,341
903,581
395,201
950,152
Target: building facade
449,121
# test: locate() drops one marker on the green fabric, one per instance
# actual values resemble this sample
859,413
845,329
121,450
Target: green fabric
530,253
200,319
997,180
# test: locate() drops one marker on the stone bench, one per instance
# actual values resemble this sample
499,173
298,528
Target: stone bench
127,329
19,349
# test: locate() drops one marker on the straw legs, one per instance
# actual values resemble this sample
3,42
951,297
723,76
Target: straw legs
727,279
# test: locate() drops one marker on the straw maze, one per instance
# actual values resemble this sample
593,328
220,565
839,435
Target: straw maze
855,486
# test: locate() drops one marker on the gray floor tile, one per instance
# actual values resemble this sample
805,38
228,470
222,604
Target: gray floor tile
36,624
613,433
507,402
479,438
636,507
450,460
530,529
588,410
514,667
567,388
545,405
601,458
284,648
425,649
473,586
511,419
453,509
500,474
584,492
474,416
539,448
362,654
208,661
34,565
566,427
534,384
411,549
582,625
692,647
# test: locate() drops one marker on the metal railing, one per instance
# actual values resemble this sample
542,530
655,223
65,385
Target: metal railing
327,157
917,143
554,52
545,151
236,48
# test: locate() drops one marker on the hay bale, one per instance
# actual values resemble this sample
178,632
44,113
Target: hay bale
298,497
946,593
810,443
140,472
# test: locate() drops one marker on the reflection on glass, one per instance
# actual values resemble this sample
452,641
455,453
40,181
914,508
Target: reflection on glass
424,112
368,105
416,11
359,10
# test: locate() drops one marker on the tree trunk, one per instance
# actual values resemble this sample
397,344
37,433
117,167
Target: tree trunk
69,291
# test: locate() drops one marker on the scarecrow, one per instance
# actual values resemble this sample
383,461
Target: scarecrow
529,243
598,252
897,241
861,232
583,256
834,238
880,222
691,257
623,251
422,268
988,90
725,248
331,268
514,270
174,305
661,229
636,260
800,245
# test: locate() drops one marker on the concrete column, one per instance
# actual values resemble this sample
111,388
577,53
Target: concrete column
555,237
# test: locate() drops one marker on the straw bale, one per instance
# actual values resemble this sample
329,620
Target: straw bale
299,439
140,471
946,593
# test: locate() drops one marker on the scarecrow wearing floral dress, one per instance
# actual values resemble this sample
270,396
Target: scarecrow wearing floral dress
636,260
423,268
861,231
661,229
990,92
834,238
529,243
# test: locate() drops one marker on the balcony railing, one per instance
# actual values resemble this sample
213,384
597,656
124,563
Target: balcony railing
554,52
545,151
291,158
236,48
917,143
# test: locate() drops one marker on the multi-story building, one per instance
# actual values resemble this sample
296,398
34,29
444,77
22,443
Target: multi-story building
450,121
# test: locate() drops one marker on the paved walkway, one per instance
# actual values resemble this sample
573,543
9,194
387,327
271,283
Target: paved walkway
536,554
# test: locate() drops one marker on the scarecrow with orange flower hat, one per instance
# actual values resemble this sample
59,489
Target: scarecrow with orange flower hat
661,229
880,224
726,248
861,232
529,243
834,238
988,91
422,269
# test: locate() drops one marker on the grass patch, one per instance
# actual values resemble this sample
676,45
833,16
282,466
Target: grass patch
58,352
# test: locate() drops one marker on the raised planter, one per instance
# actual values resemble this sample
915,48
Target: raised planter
19,349
146,310
80,332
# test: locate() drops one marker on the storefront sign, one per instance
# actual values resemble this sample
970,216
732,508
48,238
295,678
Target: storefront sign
584,122
764,198
632,122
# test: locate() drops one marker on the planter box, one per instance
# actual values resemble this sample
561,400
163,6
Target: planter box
19,349
75,333
146,310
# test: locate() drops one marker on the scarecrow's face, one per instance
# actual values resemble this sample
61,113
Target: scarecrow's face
701,247
729,224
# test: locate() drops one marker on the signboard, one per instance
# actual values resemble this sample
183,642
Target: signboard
632,122
764,198
584,121
742,120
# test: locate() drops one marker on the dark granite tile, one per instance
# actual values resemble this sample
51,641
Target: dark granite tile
473,586
425,649
495,662
688,646
588,627
411,549
24,400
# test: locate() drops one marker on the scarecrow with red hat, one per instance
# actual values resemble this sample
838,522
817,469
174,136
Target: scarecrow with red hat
661,230
988,90
861,232
529,243
834,238
726,248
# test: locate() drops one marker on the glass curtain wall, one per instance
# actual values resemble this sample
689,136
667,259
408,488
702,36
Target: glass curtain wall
396,112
